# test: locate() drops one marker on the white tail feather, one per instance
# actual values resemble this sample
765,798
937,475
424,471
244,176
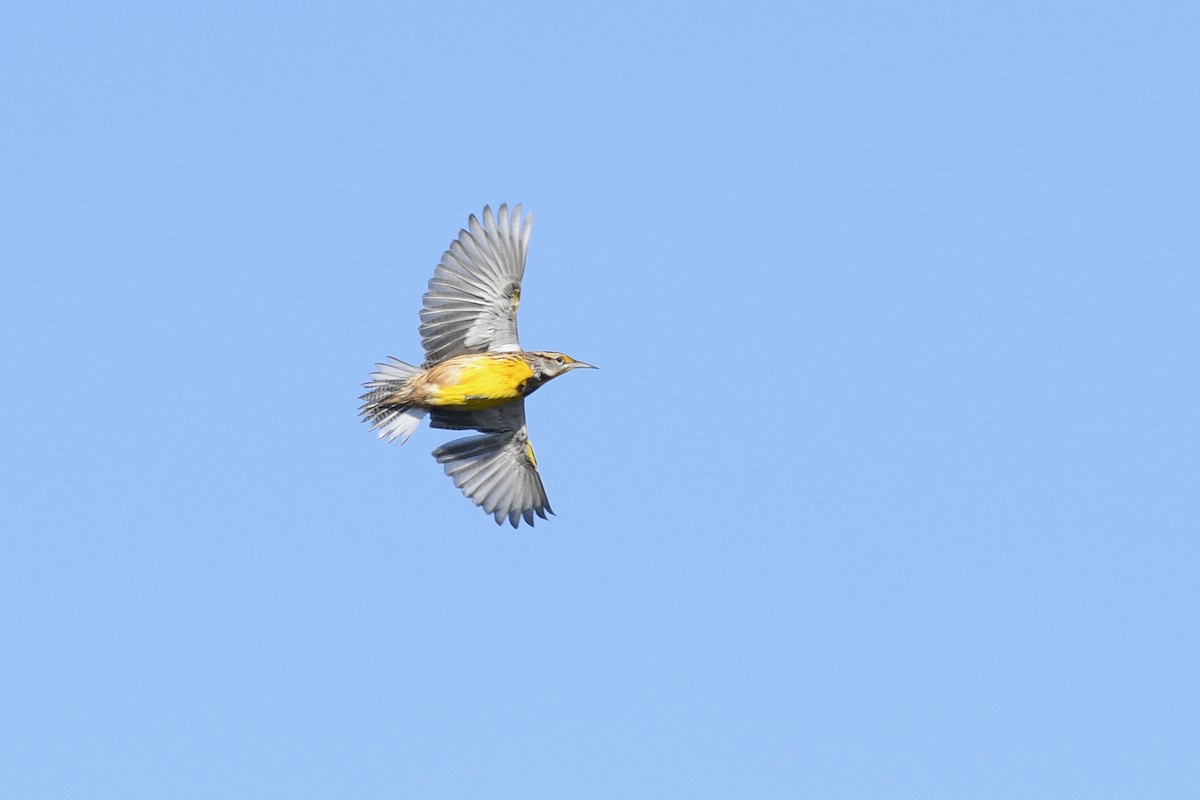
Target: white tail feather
394,420
400,424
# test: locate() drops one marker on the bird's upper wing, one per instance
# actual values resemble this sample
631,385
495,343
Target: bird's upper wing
497,470
471,304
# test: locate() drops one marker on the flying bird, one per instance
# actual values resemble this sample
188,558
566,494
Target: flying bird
475,375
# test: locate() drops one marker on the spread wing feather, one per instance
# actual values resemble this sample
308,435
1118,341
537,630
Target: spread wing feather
495,470
471,303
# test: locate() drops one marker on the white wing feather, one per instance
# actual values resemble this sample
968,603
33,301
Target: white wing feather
471,303
496,470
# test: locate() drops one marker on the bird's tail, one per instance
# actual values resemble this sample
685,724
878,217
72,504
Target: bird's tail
385,406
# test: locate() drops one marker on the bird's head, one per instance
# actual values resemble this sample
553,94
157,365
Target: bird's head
551,365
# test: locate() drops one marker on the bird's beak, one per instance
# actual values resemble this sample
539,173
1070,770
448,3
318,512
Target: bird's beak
582,364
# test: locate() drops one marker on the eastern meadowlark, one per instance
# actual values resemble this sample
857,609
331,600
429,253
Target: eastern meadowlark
475,375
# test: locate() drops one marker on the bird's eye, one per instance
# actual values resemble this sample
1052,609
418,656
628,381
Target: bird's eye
559,359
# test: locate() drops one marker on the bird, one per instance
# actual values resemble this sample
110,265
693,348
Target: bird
475,375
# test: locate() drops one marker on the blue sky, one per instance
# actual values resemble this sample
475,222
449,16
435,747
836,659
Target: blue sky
886,485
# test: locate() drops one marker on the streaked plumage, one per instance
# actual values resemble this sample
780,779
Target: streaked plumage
475,375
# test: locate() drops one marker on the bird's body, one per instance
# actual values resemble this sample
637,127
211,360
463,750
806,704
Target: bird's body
471,382
475,376
480,381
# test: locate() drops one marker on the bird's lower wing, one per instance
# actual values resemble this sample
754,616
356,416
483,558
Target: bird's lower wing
498,471
487,420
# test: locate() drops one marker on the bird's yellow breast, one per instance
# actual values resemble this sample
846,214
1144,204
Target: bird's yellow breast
479,381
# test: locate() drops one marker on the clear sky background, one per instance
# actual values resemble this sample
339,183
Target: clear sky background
886,485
